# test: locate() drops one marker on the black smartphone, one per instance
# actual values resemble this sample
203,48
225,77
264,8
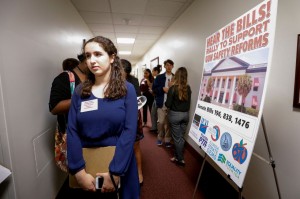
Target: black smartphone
99,182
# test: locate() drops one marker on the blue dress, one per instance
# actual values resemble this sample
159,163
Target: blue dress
111,123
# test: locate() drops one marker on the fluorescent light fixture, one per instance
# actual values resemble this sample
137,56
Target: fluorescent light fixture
125,52
125,40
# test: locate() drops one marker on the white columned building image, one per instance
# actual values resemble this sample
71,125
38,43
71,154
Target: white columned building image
224,79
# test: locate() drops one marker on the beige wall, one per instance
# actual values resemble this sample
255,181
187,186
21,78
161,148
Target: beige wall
184,43
35,37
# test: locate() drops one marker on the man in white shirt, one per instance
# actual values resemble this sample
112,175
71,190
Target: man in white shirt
160,88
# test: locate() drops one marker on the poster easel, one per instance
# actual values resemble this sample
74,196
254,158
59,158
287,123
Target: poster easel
270,162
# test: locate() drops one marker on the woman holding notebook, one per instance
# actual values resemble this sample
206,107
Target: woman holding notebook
103,114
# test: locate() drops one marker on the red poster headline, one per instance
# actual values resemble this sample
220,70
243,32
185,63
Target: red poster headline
247,33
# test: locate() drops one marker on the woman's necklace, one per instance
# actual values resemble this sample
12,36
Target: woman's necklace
80,70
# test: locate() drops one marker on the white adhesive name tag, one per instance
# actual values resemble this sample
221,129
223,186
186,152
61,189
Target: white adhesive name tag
90,105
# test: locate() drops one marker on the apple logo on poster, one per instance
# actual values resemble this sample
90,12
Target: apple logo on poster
239,152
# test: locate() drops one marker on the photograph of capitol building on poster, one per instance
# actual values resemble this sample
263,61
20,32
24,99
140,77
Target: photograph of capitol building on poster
236,82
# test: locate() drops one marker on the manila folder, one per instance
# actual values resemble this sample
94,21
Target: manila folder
97,160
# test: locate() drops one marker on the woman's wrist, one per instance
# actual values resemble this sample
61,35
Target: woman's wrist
115,180
80,174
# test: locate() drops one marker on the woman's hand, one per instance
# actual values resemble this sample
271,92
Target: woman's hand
85,180
166,89
108,185
148,82
170,83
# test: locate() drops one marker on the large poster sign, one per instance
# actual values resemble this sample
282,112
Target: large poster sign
231,97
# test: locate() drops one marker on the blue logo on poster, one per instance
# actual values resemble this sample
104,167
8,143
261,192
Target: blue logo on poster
226,141
203,125
212,150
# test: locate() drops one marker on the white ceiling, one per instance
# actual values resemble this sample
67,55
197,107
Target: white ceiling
144,20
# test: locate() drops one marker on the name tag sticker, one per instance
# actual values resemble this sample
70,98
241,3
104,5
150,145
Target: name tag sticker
90,105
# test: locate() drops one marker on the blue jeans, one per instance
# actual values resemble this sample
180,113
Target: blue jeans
178,122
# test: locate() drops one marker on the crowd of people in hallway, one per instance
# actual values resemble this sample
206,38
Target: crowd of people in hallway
99,110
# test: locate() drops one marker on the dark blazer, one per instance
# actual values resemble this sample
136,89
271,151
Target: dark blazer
135,82
157,88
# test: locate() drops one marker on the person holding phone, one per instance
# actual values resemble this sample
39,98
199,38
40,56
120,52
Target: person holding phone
103,113
160,88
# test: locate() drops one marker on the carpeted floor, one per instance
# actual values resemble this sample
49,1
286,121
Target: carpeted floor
164,179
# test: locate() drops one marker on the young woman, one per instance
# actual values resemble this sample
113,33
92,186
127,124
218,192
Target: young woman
104,113
146,89
178,102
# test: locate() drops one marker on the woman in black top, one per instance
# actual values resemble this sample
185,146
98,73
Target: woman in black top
178,102
60,101
146,89
60,95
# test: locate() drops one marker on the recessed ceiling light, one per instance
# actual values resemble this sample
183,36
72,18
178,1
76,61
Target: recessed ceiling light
125,52
125,40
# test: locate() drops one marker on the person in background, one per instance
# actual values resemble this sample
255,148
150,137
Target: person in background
82,69
60,94
103,113
60,97
139,134
178,102
145,86
130,78
160,88
69,64
155,72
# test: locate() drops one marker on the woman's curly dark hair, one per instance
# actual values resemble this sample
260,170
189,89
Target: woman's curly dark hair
116,87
